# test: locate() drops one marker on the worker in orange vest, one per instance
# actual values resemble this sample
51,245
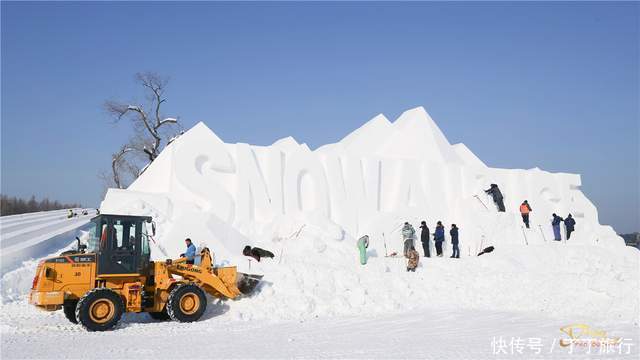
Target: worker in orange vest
525,209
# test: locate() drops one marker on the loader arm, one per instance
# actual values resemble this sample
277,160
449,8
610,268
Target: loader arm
219,282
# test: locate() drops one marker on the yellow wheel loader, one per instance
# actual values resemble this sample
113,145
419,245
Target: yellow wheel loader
112,274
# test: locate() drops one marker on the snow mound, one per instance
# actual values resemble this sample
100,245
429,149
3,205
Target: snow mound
309,207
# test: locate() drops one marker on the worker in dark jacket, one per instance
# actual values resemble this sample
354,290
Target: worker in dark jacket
256,253
494,191
525,209
570,224
438,237
555,223
424,237
454,241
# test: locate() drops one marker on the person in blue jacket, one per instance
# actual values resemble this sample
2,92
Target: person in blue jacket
570,224
190,254
555,223
454,241
438,237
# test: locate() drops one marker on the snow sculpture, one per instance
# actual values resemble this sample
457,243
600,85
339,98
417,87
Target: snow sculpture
368,183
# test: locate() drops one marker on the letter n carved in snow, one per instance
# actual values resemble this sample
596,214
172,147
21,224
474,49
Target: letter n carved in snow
305,185
252,198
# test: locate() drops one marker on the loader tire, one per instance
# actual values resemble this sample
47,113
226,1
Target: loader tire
100,309
69,309
186,303
160,316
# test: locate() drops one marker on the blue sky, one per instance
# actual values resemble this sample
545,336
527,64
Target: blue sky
553,85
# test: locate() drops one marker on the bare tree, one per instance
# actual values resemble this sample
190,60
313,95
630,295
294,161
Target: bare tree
151,130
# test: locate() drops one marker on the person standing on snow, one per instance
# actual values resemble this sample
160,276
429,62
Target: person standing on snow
408,234
494,191
414,258
363,244
438,237
525,209
424,238
454,241
190,254
570,224
555,223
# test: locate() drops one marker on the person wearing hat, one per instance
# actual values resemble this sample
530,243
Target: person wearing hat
496,194
570,224
555,223
438,237
424,238
454,241
408,234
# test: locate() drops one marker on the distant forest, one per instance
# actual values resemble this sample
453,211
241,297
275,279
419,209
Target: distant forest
14,205
632,239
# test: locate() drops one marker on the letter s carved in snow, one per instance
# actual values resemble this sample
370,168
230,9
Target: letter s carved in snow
197,173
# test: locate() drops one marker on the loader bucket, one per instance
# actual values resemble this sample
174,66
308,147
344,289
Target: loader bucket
247,283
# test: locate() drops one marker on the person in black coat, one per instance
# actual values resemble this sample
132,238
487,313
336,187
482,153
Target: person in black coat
494,191
438,237
454,241
256,252
424,237
570,224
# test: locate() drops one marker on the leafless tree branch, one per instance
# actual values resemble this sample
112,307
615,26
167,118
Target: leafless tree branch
149,133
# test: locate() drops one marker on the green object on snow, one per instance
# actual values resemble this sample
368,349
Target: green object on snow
363,243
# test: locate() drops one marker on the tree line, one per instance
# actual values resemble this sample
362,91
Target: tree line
15,205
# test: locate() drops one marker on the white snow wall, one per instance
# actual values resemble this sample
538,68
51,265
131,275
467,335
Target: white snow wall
230,195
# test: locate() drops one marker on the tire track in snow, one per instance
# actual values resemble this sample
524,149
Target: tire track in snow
11,227
6,236
11,219
29,239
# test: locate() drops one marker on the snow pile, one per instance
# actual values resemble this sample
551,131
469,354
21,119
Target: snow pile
309,207
368,183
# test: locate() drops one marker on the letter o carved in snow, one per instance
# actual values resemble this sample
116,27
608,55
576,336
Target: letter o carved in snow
305,184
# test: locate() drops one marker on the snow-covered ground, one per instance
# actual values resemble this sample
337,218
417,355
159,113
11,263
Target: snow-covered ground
33,235
515,299
418,334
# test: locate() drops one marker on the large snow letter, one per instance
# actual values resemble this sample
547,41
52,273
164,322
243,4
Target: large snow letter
402,181
434,177
251,191
343,211
199,156
362,183
275,178
305,185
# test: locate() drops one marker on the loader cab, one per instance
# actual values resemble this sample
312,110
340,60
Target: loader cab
121,244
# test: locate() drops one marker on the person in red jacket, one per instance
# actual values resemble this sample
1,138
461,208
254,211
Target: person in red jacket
525,209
